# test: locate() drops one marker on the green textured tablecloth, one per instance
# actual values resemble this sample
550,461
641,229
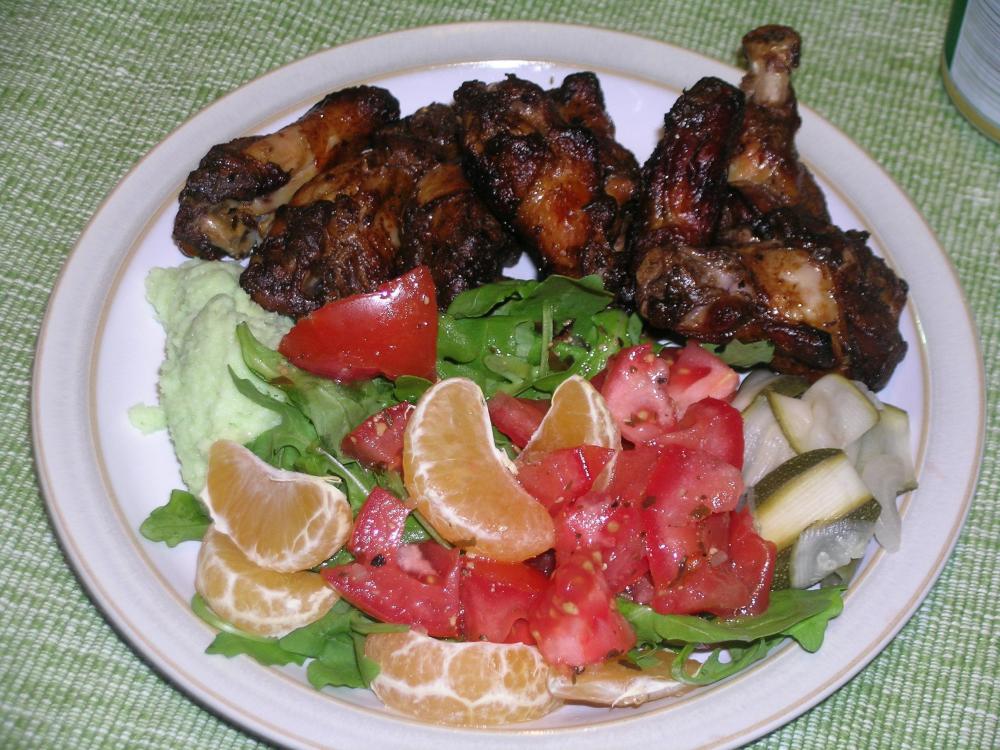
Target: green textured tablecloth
86,89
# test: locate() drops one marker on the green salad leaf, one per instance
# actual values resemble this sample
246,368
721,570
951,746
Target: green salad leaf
793,613
183,519
333,408
743,355
333,645
527,337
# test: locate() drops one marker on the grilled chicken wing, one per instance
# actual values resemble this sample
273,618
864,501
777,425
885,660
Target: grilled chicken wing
228,202
549,167
399,201
782,274
765,167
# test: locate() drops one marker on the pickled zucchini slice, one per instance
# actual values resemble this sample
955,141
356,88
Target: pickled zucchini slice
819,485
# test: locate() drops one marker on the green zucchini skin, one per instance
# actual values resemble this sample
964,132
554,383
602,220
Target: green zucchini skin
870,511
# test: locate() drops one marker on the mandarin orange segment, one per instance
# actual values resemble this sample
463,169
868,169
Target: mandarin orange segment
578,416
618,682
462,484
259,601
281,520
471,684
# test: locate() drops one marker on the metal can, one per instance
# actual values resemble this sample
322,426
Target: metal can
970,63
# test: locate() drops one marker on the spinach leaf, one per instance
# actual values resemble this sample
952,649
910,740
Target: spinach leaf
182,519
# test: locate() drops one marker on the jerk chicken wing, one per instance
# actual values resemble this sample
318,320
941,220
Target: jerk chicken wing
398,201
548,165
776,269
228,202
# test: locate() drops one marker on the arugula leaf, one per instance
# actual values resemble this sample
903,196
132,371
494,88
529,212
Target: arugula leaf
410,388
737,354
714,669
231,641
266,652
182,519
311,639
527,337
792,612
333,408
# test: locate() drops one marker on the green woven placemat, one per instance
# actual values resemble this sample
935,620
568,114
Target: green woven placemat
86,89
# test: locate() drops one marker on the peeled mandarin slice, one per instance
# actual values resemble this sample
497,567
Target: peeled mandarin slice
259,601
281,520
462,484
474,683
618,682
578,416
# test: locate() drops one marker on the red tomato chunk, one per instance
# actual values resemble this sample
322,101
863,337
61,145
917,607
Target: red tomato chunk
517,418
648,394
563,474
575,621
378,441
407,584
496,599
391,332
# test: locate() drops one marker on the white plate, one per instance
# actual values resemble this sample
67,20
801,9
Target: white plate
99,349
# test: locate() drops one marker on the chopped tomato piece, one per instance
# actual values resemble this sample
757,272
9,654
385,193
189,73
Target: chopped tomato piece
563,474
635,388
575,621
378,441
391,331
632,471
607,529
696,373
390,594
408,584
710,425
378,527
702,588
517,418
670,548
496,598
752,560
690,484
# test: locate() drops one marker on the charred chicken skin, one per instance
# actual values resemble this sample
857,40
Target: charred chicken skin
228,202
548,165
775,269
396,202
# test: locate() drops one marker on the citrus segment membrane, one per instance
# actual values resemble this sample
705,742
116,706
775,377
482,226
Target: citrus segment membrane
281,520
462,484
619,682
470,684
259,601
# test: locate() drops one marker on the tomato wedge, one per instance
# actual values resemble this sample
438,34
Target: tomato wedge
752,559
496,599
696,373
575,621
635,388
710,425
391,332
407,584
517,418
378,441
564,474
609,530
